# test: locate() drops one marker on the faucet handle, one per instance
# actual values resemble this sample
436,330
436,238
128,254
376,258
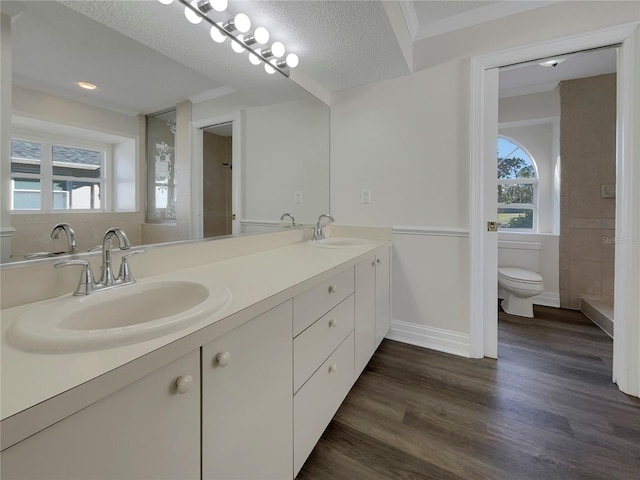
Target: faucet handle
125,275
87,283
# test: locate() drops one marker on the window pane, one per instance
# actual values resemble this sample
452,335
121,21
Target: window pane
515,193
25,194
76,195
25,156
76,162
513,161
515,218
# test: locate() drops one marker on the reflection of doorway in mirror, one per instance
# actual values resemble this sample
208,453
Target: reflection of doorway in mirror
217,174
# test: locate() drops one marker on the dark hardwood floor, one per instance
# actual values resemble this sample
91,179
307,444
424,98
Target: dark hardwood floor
547,409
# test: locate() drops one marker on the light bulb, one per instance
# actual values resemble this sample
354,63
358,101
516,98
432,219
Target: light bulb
166,2
292,60
217,36
219,5
192,16
254,59
269,69
242,22
261,35
237,47
277,49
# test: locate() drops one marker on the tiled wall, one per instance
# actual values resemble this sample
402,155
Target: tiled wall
588,159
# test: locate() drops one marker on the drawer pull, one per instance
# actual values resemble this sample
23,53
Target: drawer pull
332,368
333,289
223,358
184,383
332,322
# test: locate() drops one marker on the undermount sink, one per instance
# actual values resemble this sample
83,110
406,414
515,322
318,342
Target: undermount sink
340,242
120,316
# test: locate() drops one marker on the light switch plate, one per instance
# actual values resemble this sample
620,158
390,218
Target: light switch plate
298,197
366,196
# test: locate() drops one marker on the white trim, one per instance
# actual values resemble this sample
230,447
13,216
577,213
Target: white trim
547,299
211,94
433,338
410,17
514,244
7,232
259,223
626,365
528,89
476,16
197,229
529,122
626,357
431,231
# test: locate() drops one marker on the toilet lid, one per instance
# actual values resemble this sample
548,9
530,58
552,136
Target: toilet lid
519,275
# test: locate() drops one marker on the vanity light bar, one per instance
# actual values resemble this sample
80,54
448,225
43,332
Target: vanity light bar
237,29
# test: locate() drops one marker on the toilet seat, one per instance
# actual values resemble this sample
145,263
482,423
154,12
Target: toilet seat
519,275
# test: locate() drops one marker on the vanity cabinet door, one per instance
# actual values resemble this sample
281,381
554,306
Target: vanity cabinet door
147,430
247,404
365,313
383,293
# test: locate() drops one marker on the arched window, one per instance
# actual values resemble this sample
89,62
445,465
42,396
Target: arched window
517,187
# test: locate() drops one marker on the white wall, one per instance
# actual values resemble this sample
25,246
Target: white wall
42,106
285,149
407,140
401,140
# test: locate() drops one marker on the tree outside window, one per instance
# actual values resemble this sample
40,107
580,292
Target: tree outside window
517,187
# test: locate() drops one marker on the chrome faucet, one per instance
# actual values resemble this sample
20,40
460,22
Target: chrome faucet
318,232
72,246
87,283
107,278
293,220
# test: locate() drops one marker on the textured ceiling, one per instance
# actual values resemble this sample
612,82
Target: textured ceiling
145,56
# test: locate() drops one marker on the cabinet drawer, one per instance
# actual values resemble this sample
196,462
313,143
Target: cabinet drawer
318,400
315,302
316,343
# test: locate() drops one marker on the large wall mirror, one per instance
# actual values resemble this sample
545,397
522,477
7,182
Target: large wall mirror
211,143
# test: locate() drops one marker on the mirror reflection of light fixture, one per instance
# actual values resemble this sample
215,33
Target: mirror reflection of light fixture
191,15
197,10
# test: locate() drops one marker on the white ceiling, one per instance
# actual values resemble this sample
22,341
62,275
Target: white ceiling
145,56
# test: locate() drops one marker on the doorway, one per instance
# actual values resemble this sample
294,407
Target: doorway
626,365
557,161
217,180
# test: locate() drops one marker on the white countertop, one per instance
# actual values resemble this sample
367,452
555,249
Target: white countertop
29,378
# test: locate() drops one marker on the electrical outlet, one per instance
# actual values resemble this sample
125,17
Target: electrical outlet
298,197
366,196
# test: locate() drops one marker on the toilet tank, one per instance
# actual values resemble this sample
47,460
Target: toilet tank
519,254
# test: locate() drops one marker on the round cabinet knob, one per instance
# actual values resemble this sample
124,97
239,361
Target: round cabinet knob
378,261
184,383
373,264
332,322
333,368
333,289
223,358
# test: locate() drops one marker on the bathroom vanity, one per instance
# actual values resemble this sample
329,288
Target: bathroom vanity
244,394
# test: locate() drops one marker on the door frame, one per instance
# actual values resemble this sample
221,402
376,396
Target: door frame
197,154
626,361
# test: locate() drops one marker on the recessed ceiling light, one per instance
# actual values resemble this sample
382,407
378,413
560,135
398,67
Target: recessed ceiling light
87,85
552,62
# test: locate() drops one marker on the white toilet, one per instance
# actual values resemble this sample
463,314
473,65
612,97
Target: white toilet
518,281
519,286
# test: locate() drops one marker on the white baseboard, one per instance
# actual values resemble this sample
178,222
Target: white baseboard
429,337
548,299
